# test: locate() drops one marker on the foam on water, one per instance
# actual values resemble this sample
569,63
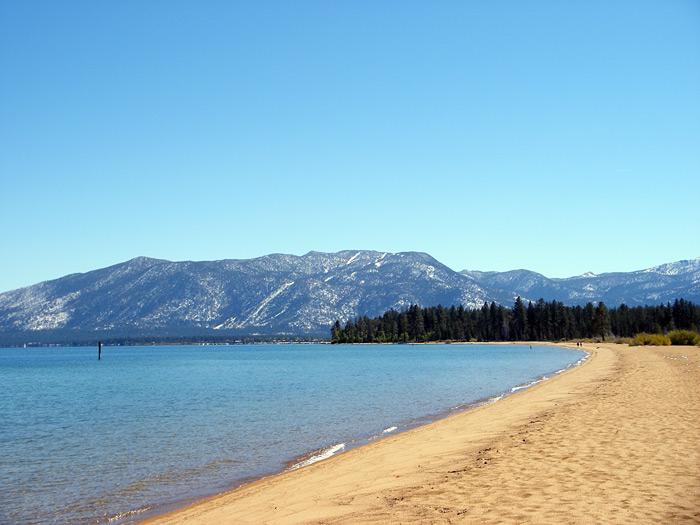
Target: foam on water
526,385
122,516
324,454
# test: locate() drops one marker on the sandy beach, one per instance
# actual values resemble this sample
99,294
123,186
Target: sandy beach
614,440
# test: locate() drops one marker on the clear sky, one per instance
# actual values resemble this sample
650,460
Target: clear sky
556,136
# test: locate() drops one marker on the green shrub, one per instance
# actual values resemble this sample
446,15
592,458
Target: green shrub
684,337
645,339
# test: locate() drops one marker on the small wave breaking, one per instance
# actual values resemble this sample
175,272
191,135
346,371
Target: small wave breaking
320,456
533,383
389,430
527,385
127,514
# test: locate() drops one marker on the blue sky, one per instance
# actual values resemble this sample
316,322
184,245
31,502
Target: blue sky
556,136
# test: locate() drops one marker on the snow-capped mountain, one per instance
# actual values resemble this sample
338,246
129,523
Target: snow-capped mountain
651,286
272,294
289,294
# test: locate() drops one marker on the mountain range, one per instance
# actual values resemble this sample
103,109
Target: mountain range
299,295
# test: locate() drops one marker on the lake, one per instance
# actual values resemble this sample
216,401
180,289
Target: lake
146,428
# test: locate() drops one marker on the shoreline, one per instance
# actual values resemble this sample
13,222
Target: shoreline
614,440
308,460
420,421
319,341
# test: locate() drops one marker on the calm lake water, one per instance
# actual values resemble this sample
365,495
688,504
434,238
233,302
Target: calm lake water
83,441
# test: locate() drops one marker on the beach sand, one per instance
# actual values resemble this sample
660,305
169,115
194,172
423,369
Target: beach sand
616,440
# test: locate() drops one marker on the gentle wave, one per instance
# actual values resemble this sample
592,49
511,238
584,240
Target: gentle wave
324,454
127,514
527,385
389,430
533,383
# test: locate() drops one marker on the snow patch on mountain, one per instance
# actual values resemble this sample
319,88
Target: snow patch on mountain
378,262
351,259
254,317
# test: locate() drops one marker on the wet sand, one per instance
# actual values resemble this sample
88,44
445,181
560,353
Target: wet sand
614,440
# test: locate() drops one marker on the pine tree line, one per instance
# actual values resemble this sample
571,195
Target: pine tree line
539,321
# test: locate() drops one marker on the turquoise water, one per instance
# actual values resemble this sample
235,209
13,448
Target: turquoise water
83,441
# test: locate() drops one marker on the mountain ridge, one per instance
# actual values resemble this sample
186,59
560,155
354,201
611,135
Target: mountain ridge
302,294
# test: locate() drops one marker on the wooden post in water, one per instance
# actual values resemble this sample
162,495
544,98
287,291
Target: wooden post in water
99,350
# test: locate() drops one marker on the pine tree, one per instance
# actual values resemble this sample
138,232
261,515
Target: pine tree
519,331
601,321
336,332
